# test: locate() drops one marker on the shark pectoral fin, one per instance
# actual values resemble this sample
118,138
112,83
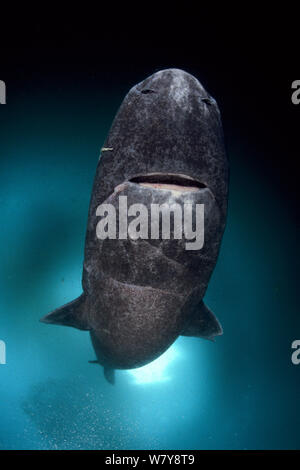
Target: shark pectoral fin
71,314
94,362
203,323
109,374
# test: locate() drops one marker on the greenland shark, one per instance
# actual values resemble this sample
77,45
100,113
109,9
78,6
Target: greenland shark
165,148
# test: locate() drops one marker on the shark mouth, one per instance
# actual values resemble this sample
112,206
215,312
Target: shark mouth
169,182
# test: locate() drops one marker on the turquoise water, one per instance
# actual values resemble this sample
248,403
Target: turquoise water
241,392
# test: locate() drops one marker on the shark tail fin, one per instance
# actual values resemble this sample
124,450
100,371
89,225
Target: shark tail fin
72,314
203,323
109,374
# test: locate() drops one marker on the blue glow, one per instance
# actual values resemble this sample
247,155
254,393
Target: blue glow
156,371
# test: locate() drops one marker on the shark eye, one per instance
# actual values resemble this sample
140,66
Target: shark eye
207,101
147,91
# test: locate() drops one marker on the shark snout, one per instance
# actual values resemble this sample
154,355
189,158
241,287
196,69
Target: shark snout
176,84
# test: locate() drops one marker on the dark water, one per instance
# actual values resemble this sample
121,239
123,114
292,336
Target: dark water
240,392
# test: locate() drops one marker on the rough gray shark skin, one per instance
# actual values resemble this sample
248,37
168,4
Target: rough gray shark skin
140,295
